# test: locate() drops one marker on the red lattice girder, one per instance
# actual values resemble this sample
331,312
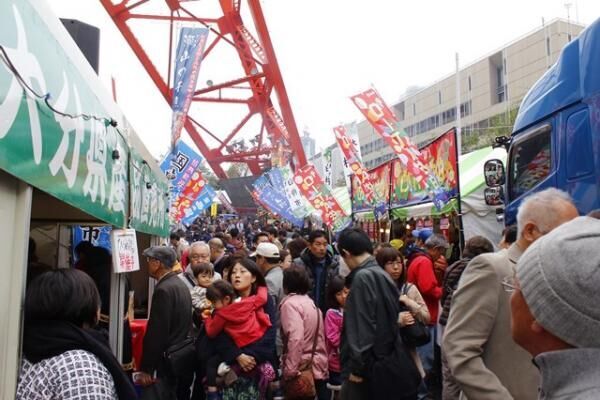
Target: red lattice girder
259,78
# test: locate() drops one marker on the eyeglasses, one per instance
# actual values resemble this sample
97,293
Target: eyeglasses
390,263
510,284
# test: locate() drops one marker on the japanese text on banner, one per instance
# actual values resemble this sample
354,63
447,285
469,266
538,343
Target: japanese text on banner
188,57
313,188
381,117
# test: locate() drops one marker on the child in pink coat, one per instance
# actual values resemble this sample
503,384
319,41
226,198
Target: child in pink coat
334,320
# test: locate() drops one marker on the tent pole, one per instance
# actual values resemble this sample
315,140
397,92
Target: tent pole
461,229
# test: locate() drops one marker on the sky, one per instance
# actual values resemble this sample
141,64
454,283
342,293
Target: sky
328,50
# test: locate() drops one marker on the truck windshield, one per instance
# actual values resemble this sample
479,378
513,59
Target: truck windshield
530,161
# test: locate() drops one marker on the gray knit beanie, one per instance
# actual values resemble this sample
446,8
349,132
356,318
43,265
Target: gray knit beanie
559,275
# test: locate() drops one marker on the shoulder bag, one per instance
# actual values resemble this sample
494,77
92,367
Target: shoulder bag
417,334
303,385
181,357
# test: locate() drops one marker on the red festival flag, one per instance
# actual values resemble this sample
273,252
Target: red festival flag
319,195
188,195
354,163
381,117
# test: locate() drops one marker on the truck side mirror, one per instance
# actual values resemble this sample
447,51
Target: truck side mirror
494,196
494,173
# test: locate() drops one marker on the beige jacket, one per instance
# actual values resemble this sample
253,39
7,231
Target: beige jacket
477,342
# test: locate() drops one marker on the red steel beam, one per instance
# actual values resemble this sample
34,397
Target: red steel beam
263,76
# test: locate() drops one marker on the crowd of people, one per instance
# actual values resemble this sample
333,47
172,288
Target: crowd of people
251,312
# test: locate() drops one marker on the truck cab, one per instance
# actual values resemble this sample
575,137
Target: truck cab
556,136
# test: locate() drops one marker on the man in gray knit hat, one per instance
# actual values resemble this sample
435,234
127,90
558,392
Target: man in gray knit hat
555,312
483,359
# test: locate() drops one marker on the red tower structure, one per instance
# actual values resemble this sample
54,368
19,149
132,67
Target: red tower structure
249,93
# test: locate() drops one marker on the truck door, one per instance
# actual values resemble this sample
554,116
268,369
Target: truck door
532,165
579,178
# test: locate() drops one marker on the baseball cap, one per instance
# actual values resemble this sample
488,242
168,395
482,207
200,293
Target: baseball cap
164,254
266,250
423,233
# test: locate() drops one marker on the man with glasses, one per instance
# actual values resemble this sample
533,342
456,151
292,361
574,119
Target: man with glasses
200,252
482,357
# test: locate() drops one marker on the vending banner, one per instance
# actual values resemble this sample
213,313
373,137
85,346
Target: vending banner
381,117
319,195
190,51
202,202
277,203
380,178
373,199
274,200
442,164
352,134
188,195
180,165
327,167
300,208
356,166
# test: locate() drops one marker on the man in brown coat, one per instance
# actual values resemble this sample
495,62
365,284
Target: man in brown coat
477,343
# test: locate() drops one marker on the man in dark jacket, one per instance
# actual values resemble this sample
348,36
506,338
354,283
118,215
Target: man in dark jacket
321,265
170,317
375,362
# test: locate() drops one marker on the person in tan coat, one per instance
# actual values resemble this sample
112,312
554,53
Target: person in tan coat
477,343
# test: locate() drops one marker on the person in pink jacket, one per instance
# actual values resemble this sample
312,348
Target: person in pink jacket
300,319
334,320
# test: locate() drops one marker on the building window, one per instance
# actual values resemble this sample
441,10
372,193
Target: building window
568,37
548,46
414,109
439,97
469,83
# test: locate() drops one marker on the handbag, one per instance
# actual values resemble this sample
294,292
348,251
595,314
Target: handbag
303,385
181,357
417,334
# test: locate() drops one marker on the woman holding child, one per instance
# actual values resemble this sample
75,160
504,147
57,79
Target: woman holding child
250,355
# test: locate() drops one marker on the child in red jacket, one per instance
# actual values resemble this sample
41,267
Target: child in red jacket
244,321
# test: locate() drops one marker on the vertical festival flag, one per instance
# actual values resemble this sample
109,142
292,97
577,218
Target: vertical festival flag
319,195
297,202
327,167
190,51
273,199
188,195
201,203
381,117
352,134
354,163
362,175
179,166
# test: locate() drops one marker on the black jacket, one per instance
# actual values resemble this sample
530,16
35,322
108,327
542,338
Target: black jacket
170,320
370,318
332,269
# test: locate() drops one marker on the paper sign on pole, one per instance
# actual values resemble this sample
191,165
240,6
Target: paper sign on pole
125,251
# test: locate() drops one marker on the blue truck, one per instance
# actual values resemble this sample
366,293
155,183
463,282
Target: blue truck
556,135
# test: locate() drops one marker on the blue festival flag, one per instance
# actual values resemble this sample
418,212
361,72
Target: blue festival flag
203,201
278,204
190,51
179,166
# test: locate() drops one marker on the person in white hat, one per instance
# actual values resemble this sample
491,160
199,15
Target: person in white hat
555,314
